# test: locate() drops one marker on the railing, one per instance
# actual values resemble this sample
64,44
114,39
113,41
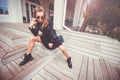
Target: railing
66,28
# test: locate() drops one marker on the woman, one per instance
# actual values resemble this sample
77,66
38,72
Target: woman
48,37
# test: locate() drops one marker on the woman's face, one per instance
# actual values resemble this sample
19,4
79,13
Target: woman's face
40,16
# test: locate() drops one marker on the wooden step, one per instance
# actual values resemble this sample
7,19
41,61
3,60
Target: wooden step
82,50
90,36
108,49
14,67
10,38
2,52
5,47
19,31
28,73
15,25
13,55
92,56
93,47
93,38
93,53
106,69
84,68
114,70
51,69
5,73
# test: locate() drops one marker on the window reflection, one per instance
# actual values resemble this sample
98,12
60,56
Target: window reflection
70,13
3,7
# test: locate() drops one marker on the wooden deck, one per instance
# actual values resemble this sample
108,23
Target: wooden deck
94,57
84,68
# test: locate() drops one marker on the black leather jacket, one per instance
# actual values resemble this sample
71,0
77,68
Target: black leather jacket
48,32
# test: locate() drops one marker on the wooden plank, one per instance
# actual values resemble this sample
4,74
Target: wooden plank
2,52
92,52
24,66
118,71
56,73
83,44
21,30
62,63
104,69
64,71
109,70
21,44
33,69
96,47
14,68
84,68
76,59
13,55
38,77
5,73
91,37
18,61
90,74
5,46
97,69
63,59
115,74
10,34
35,58
82,51
47,75
14,52
75,54
27,70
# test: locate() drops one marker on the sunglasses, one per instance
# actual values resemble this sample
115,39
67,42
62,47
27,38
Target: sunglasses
38,17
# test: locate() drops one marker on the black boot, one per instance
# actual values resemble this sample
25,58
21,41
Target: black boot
27,58
69,62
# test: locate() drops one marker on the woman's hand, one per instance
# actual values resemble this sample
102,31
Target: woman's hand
32,23
50,45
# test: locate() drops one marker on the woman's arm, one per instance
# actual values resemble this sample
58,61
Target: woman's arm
34,31
33,28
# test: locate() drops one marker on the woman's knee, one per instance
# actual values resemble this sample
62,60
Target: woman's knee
32,39
35,38
61,47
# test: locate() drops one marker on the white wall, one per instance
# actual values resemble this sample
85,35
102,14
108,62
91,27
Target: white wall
23,2
15,12
59,13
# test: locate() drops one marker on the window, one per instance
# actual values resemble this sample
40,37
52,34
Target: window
32,10
3,7
35,1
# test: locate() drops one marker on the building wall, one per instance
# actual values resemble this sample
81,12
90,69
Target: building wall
45,4
14,10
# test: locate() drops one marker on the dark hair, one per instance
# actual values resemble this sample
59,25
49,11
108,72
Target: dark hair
45,20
